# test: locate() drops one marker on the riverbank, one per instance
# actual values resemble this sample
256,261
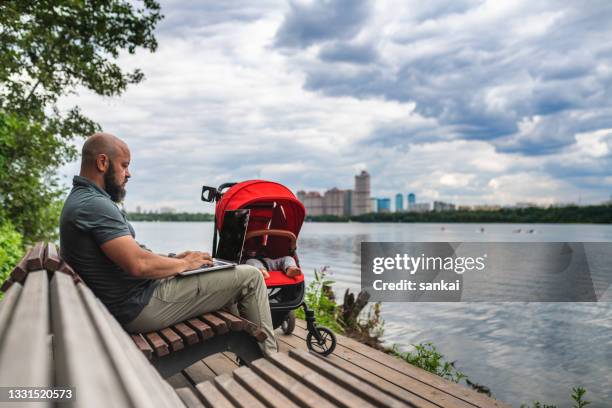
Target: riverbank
361,321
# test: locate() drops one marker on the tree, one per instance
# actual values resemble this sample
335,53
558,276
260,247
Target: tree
48,49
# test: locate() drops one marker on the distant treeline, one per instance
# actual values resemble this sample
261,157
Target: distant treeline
596,214
180,216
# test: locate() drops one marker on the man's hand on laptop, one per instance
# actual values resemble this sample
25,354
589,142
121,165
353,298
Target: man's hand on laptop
195,259
184,254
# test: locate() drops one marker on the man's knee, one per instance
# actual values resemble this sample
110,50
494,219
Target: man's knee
250,275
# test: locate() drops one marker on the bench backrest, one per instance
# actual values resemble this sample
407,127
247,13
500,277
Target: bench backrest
55,332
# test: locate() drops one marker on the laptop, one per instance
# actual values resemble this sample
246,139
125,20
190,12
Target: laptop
231,242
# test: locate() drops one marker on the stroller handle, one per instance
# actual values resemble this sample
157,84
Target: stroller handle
279,233
224,186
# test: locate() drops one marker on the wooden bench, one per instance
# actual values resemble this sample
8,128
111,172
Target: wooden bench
54,331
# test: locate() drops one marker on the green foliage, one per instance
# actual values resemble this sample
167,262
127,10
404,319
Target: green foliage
427,357
11,249
538,404
173,217
601,214
29,193
577,395
48,48
320,298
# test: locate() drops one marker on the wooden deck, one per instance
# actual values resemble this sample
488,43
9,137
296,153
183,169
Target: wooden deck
397,378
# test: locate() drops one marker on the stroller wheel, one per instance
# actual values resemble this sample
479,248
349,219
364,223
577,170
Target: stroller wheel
288,323
326,345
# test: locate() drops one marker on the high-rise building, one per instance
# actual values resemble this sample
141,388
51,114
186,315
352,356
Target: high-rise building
442,206
419,207
384,205
411,199
348,203
312,200
333,202
399,202
374,204
361,195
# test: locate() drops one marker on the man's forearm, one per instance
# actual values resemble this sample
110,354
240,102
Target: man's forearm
152,266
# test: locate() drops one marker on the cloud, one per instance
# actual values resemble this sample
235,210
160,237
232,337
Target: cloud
455,101
483,68
347,52
309,22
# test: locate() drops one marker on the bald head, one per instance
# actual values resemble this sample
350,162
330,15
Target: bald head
105,160
100,143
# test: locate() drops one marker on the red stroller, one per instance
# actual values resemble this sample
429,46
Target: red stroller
275,220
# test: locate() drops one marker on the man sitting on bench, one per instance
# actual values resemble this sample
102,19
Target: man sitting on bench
137,286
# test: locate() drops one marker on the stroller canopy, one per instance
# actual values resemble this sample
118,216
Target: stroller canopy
284,210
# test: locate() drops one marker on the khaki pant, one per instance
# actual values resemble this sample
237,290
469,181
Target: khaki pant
182,297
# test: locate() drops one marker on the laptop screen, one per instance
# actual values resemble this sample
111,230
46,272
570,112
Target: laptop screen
231,238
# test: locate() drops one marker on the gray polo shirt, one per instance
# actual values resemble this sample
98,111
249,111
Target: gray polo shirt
89,219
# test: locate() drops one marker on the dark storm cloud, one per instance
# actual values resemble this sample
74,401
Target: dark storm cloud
480,77
306,24
346,52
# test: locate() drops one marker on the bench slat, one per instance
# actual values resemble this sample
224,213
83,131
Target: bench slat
6,285
254,330
288,385
203,330
142,344
236,393
67,269
159,345
172,338
143,392
52,258
7,306
264,391
36,257
25,349
20,271
235,323
160,390
188,335
81,359
212,396
189,398
218,325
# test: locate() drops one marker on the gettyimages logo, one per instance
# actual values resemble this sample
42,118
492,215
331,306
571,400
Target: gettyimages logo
506,272
423,263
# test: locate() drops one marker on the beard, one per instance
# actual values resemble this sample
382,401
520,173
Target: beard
115,190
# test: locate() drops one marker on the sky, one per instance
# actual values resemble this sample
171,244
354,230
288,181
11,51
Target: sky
471,102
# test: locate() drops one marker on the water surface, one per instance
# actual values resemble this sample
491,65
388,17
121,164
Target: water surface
522,351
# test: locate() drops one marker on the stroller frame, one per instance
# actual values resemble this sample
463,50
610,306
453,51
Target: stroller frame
284,295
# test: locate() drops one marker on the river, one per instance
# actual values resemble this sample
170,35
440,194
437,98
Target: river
522,351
